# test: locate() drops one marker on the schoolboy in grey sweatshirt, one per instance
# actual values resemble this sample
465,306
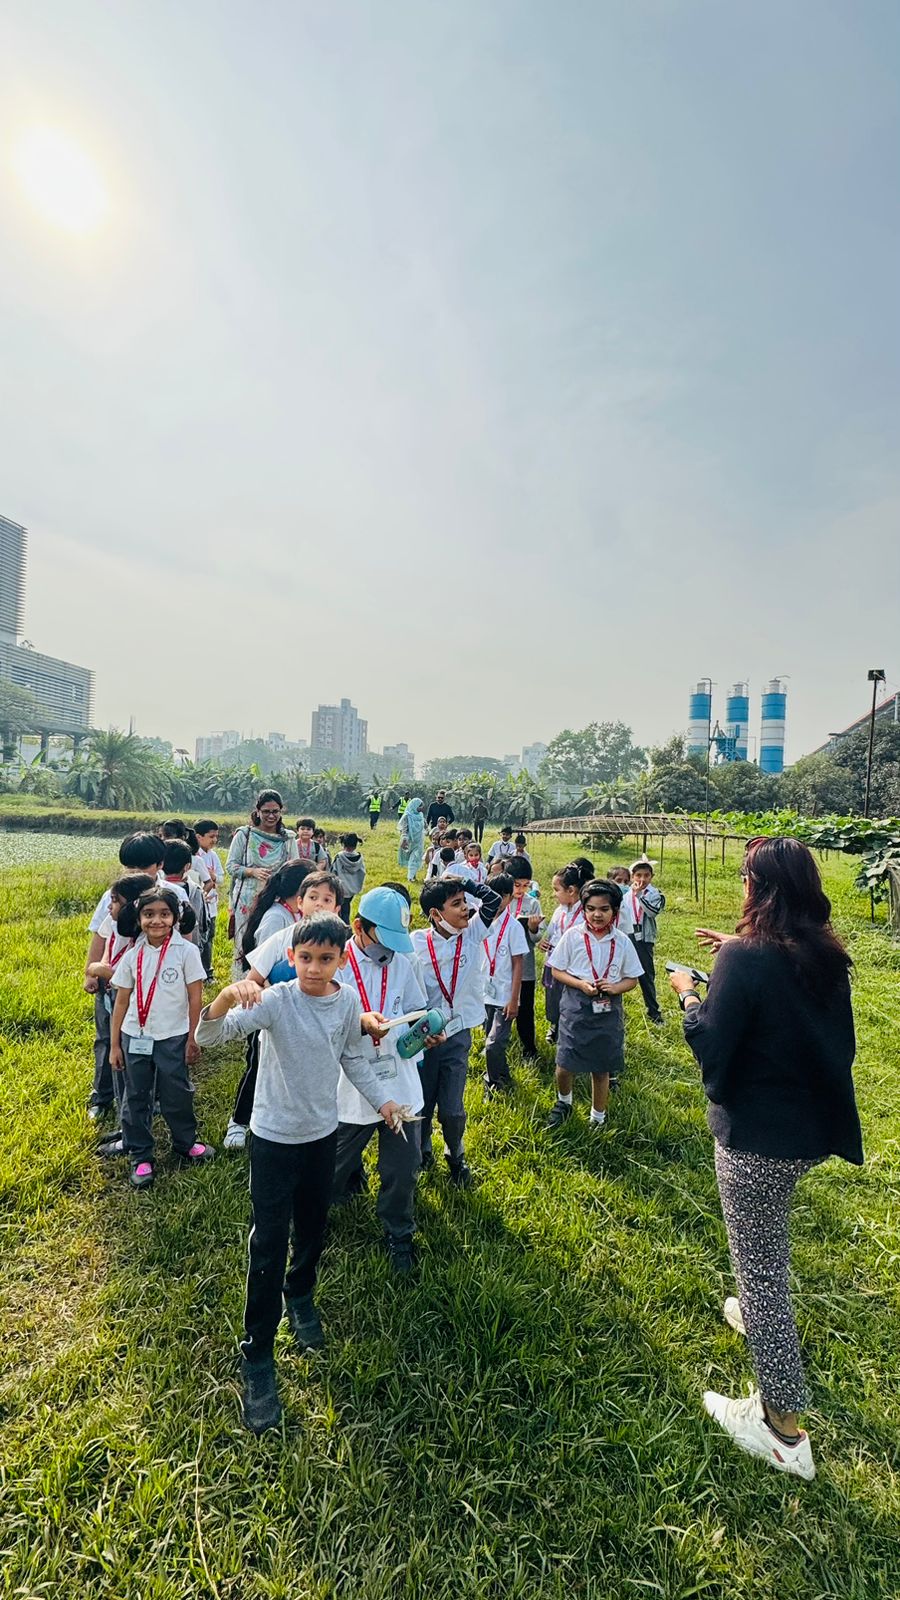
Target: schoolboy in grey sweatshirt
309,1029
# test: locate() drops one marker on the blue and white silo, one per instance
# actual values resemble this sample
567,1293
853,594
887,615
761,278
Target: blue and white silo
771,728
737,719
699,718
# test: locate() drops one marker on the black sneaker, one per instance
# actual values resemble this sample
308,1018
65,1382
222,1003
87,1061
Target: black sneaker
561,1113
460,1174
613,1084
551,1034
427,1162
401,1253
260,1407
305,1323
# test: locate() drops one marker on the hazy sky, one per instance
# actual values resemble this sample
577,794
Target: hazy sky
500,365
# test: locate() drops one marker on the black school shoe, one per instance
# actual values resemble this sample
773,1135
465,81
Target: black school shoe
401,1253
260,1405
427,1161
461,1174
561,1113
305,1323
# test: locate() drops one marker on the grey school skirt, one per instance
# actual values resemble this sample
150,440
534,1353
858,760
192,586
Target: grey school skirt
587,1040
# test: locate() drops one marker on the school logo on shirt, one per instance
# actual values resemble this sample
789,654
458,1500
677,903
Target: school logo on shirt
169,975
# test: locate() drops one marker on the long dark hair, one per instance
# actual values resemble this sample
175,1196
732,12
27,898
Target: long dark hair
786,906
281,886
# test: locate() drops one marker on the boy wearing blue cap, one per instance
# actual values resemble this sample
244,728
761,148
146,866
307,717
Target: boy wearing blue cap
380,972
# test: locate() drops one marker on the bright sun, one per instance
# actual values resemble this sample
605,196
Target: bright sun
59,179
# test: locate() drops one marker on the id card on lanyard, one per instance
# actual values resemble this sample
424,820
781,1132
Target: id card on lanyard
490,988
142,1045
385,1067
453,1023
600,1006
113,961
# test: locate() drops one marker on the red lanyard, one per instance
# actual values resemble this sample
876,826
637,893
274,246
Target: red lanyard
297,915
447,993
111,960
492,965
363,991
519,906
637,910
143,1006
577,912
612,952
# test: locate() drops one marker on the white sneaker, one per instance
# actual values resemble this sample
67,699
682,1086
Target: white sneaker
733,1314
746,1421
235,1138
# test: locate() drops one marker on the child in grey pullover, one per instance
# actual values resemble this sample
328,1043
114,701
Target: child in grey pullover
350,869
310,1029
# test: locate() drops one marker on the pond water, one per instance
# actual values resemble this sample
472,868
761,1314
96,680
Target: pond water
25,849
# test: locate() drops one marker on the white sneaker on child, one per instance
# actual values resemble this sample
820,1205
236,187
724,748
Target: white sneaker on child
235,1137
733,1314
746,1421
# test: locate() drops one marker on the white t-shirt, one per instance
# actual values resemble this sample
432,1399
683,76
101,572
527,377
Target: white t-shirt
563,918
571,955
108,930
168,1015
625,920
504,939
468,994
461,869
271,950
209,861
403,992
101,911
502,847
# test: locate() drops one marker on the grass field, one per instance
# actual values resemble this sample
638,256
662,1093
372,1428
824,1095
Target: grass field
523,1420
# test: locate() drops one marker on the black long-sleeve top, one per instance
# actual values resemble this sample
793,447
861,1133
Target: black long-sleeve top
776,1060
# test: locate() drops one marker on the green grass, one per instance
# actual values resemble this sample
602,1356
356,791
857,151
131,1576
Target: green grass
522,1421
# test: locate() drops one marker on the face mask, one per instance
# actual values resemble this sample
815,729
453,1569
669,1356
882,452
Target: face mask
379,953
445,927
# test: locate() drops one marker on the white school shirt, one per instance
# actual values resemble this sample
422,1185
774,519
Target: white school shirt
468,997
181,889
625,919
271,950
169,1010
461,869
502,847
275,920
500,948
571,955
101,911
210,870
400,1079
109,930
563,918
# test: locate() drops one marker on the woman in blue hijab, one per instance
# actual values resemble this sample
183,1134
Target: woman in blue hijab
412,839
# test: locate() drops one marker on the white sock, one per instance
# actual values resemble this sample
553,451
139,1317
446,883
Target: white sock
565,1098
597,1116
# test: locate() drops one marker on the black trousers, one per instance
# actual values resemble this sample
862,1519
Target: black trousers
206,949
345,911
648,981
399,1160
525,1019
373,820
165,1076
478,830
290,1186
243,1103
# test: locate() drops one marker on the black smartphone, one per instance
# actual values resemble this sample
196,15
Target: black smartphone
696,974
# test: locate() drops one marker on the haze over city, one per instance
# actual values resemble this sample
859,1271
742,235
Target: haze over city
501,368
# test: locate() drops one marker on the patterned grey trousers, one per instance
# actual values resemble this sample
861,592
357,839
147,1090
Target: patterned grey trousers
756,1193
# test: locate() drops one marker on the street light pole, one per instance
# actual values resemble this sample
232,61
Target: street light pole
876,676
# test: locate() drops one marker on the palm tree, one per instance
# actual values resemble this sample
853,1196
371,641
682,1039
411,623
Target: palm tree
118,771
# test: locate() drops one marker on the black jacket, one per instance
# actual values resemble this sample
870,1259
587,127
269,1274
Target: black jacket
776,1061
435,811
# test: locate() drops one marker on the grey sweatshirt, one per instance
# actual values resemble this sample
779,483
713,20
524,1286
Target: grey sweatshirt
305,1042
350,868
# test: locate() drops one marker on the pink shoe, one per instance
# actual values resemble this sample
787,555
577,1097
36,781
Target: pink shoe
198,1153
142,1175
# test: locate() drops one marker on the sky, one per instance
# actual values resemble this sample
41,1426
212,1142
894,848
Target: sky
502,367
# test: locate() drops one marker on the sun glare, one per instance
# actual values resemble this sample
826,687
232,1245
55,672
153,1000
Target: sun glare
59,179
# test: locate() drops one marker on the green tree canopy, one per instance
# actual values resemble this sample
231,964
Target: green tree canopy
599,753
444,770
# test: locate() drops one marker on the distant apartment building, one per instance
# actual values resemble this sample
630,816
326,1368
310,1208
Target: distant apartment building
532,756
399,758
339,732
210,746
64,691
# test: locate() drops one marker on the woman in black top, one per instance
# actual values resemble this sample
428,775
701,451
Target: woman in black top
775,1044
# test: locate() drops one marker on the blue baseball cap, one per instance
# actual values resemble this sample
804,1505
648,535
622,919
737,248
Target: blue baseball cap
390,914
